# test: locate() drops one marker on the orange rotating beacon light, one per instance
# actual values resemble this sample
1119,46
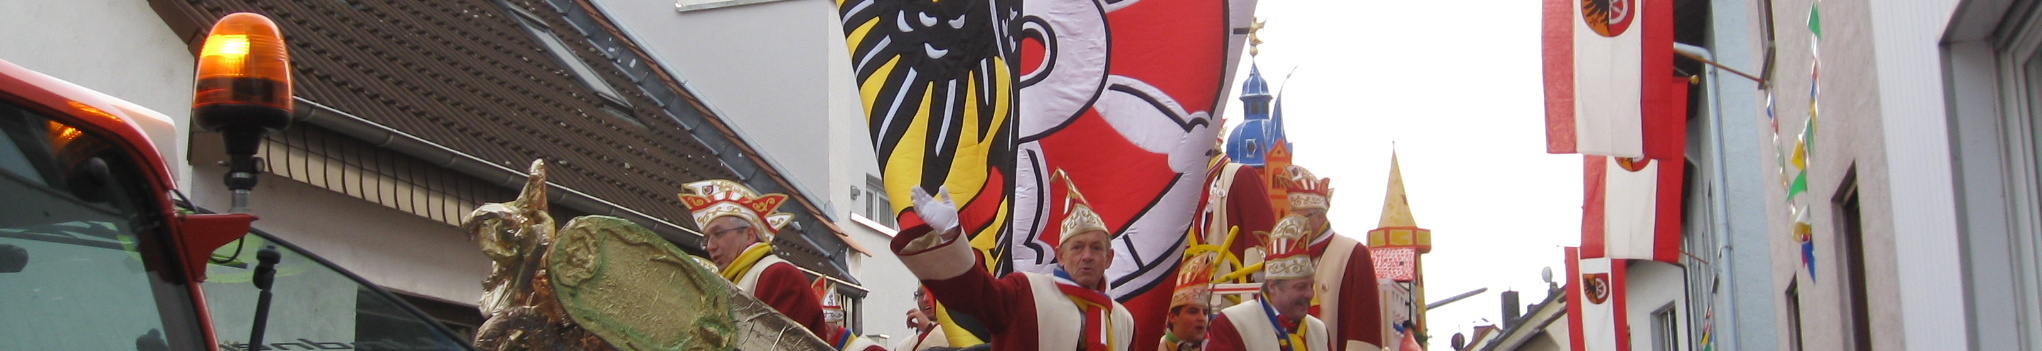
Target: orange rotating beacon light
243,92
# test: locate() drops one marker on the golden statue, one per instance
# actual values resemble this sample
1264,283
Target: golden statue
1255,36
604,283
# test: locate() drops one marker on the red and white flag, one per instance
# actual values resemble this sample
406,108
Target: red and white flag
1632,209
1602,61
1595,304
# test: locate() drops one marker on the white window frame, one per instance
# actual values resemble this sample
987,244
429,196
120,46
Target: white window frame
1666,327
1994,139
877,205
2023,180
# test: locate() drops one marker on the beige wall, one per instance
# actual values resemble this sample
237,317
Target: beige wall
396,250
1849,136
1880,116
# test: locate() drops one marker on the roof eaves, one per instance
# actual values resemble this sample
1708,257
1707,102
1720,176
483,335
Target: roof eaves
1553,308
386,137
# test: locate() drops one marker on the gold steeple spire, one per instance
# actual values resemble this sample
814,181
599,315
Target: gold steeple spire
1398,227
1396,209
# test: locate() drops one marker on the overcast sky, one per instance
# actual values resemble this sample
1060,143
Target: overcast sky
1456,85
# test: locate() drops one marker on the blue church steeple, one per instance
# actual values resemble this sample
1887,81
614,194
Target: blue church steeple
1259,131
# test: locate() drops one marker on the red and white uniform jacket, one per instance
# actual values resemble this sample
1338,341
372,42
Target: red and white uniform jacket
931,338
1348,301
1023,311
777,283
1248,326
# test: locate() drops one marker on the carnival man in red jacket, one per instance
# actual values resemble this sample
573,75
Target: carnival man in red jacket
738,225
1065,310
1347,299
1277,320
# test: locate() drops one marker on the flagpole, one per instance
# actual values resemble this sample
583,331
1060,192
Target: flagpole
1702,55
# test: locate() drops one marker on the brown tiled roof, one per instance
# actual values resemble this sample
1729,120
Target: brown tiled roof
464,74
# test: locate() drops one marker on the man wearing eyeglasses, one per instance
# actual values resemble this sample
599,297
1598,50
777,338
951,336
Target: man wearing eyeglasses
928,331
738,225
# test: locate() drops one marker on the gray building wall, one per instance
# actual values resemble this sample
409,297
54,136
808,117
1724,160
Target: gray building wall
757,65
892,286
1729,137
1652,286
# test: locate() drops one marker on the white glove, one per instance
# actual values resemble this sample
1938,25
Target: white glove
940,214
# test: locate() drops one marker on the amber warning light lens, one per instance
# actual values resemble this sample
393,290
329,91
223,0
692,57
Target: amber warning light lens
244,76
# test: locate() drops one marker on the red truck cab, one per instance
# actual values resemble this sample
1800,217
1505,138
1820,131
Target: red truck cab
98,250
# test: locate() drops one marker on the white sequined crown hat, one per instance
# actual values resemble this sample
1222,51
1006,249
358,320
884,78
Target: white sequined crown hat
1307,190
711,199
1289,255
1078,214
1194,281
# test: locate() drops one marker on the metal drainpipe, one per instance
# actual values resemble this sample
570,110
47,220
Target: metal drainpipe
1719,210
499,175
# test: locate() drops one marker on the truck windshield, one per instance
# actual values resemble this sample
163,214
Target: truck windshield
313,306
76,248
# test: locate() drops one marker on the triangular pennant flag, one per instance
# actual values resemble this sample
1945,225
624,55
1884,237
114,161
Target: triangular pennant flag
1798,185
1815,19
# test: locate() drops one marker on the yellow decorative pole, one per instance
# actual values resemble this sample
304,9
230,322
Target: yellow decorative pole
1398,238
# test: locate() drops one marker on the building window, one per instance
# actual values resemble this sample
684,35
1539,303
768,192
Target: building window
613,102
1851,249
1793,300
1665,329
876,206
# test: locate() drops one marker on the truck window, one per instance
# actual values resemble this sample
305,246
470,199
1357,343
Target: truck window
313,306
73,233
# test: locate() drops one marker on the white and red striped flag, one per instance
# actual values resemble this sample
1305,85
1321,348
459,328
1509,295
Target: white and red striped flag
1632,206
1602,61
1595,304
1632,209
